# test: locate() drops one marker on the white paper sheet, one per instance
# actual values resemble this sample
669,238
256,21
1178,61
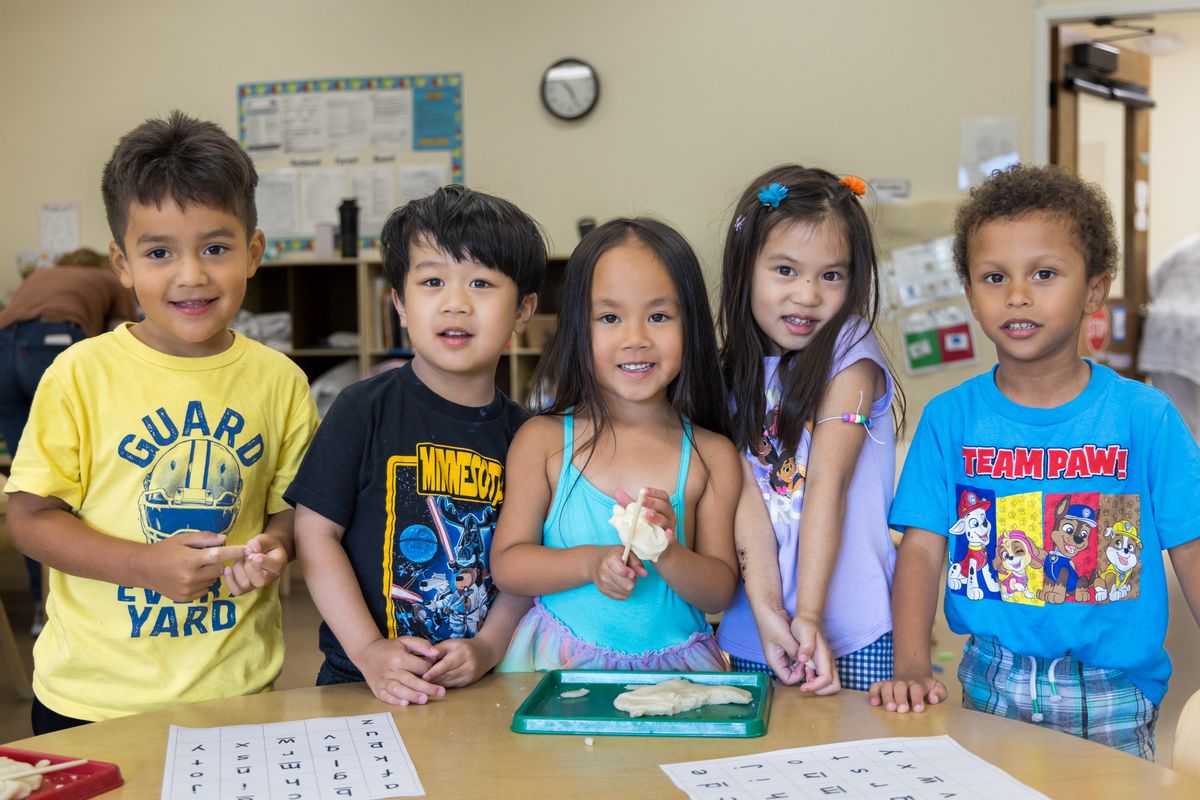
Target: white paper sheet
377,190
915,768
392,119
263,124
349,117
304,123
278,202
420,181
321,192
311,759
60,227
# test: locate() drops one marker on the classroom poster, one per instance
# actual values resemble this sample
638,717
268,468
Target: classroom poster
382,140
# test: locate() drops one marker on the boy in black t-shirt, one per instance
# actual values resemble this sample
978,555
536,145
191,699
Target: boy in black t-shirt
399,494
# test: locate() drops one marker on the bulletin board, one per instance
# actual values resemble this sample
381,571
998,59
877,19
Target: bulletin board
383,140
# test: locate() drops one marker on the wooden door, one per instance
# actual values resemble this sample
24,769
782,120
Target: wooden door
1112,335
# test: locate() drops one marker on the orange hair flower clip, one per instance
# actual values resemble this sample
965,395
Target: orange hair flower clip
854,184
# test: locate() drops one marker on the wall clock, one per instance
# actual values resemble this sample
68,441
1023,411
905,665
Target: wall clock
570,88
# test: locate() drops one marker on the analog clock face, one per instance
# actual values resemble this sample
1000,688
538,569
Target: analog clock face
570,88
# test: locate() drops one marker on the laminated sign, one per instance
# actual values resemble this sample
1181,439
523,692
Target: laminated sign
938,338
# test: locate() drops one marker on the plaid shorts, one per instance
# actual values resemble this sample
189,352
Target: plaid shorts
857,670
1102,705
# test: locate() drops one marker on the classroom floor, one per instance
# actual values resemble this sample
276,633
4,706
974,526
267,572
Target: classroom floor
303,658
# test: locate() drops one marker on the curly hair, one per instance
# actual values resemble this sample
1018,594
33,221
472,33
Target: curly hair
1025,189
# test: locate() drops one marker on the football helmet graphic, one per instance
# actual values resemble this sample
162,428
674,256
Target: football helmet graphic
196,485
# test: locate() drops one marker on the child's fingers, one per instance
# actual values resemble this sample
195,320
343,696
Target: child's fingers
786,668
420,647
639,569
198,539
216,555
417,686
450,656
236,581
893,694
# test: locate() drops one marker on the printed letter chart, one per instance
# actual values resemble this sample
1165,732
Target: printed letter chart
311,759
907,769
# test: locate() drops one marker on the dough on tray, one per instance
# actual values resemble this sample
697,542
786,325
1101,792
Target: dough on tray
676,696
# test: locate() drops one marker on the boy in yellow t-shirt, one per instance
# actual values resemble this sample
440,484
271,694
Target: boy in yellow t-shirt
151,474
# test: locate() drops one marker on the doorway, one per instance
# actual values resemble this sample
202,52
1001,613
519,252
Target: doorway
1100,113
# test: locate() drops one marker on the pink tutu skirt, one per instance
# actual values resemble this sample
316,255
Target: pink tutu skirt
542,642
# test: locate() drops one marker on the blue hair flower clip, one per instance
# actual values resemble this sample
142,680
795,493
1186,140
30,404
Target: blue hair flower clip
773,195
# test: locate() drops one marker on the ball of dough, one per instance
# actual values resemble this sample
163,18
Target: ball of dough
645,540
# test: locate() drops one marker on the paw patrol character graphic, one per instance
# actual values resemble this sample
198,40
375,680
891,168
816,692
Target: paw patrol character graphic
1122,550
1015,556
196,485
1073,525
974,526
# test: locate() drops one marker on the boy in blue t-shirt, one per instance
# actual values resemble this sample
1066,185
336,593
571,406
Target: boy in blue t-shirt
398,496
1043,492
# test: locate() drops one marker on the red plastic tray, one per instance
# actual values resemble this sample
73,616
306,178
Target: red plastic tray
73,783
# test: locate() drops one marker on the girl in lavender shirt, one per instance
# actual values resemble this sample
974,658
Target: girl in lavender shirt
816,413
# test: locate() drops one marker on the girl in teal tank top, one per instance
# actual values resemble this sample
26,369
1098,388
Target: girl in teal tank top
637,403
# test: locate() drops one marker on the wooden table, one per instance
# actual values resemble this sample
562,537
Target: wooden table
462,745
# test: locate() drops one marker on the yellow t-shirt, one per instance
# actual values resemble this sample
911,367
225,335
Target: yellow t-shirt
141,445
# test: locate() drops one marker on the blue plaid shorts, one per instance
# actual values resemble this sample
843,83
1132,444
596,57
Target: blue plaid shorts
857,670
1102,705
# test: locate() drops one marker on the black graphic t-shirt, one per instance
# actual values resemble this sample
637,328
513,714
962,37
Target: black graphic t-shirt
417,481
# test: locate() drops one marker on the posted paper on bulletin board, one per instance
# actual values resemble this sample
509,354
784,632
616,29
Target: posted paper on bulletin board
381,140
937,339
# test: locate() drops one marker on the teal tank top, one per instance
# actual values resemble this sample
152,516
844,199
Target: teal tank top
654,617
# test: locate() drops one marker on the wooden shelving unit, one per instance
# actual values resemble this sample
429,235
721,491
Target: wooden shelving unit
349,295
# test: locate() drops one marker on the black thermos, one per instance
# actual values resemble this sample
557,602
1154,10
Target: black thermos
348,211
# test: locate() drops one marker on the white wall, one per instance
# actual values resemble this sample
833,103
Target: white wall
1175,168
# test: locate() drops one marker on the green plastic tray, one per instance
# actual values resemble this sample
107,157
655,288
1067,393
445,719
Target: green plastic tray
546,711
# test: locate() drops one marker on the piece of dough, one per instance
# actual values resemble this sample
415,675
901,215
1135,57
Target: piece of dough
573,693
676,696
645,540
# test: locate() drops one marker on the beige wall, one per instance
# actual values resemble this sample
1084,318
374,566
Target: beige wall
697,97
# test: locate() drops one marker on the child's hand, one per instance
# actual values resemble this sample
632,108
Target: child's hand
460,662
820,675
905,692
612,576
263,561
184,566
656,505
392,668
780,648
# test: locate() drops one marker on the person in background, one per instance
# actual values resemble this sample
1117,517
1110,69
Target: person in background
1170,348
80,296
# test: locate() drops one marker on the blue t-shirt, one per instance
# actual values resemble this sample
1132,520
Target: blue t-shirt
1057,518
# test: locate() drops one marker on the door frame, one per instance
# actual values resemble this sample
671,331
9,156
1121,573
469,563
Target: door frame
1044,18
